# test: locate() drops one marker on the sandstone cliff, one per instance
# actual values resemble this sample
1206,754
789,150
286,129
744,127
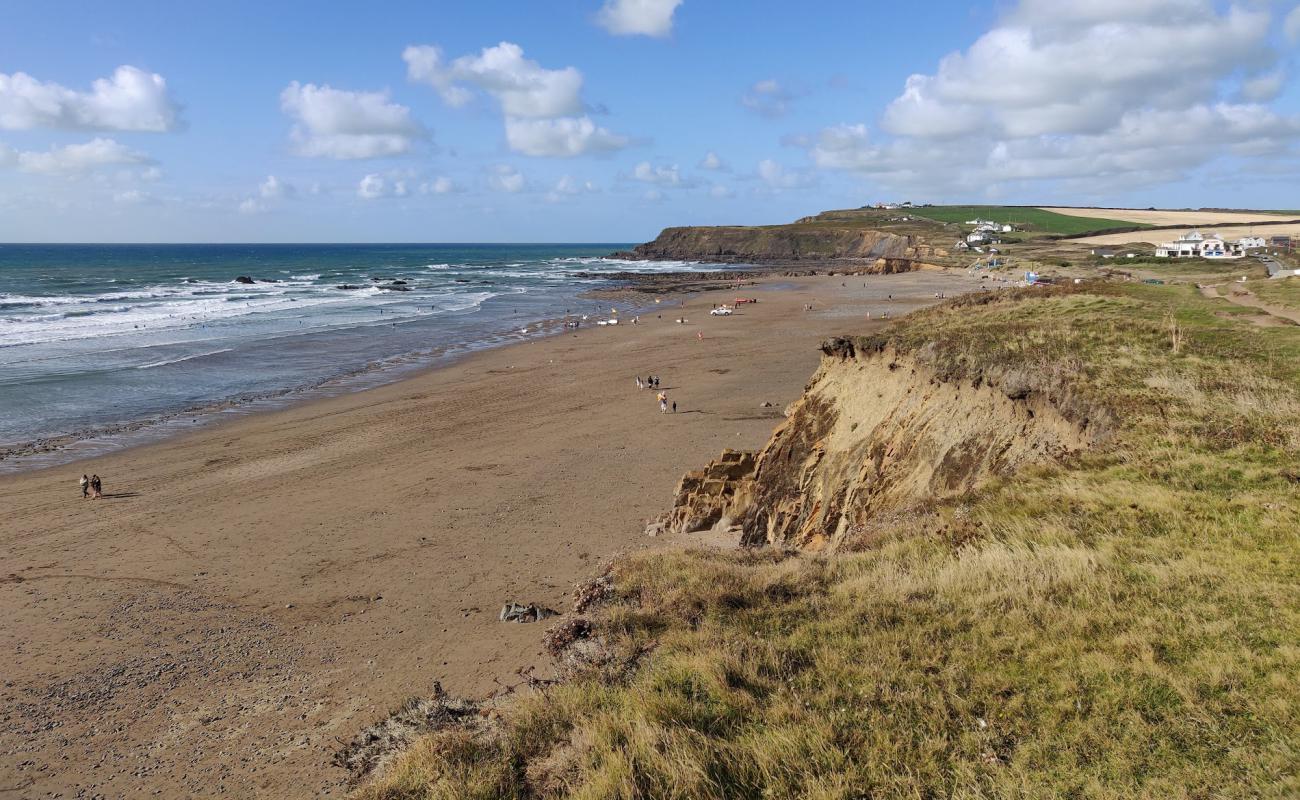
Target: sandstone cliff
879,430
782,243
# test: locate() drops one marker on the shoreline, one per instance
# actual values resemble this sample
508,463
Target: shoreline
65,449
250,594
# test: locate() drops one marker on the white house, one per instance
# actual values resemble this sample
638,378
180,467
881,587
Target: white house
977,237
1251,242
1195,245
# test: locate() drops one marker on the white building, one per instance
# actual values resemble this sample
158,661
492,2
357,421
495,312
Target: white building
1251,242
1195,245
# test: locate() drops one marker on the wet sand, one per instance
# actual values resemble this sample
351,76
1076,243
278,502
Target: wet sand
249,595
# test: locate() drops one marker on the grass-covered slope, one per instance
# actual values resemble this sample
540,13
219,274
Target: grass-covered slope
1125,624
1033,221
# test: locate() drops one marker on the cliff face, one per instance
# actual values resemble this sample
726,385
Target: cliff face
780,243
873,432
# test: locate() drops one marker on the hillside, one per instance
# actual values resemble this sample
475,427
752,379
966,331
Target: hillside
861,236
1033,543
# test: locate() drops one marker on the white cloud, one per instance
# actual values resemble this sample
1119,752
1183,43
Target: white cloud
711,161
638,17
566,136
1112,92
779,177
523,87
720,192
333,123
375,186
134,197
130,100
440,185
1291,26
269,193
505,178
273,188
543,108
76,159
652,195
8,155
569,186
768,98
1264,87
662,176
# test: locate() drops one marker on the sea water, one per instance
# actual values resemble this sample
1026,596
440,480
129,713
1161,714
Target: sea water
95,337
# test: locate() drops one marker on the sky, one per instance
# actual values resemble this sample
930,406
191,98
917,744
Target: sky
607,120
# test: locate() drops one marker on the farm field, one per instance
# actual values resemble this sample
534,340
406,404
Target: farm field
1171,217
1226,231
1036,221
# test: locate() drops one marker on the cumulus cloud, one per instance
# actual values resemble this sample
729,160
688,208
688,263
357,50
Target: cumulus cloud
269,193
375,186
638,17
1139,90
130,100
333,123
779,177
1291,26
569,186
768,98
505,178
713,162
566,136
523,87
439,185
662,176
78,159
543,108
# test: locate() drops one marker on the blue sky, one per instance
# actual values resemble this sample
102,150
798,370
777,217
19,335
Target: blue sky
587,120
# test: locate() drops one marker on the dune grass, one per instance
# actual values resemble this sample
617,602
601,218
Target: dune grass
1124,625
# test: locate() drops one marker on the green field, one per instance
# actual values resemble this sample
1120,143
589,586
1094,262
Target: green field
1035,221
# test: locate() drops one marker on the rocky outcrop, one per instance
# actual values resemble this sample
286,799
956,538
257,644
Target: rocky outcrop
876,431
780,243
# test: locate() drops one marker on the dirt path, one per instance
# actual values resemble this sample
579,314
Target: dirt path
248,595
1238,295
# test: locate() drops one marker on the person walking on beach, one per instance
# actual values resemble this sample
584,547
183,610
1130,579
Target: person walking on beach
96,487
674,406
84,483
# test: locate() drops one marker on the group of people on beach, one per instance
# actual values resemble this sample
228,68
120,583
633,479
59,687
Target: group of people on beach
91,487
652,382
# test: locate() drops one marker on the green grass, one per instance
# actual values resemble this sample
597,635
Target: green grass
1283,292
1125,624
1033,220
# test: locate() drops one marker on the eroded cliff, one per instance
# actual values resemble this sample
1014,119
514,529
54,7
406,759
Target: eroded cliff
879,430
884,252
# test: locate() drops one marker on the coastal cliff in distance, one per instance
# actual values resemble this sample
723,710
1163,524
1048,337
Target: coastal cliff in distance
830,236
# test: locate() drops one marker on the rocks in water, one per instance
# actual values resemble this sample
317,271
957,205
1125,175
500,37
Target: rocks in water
395,286
244,279
519,612
347,286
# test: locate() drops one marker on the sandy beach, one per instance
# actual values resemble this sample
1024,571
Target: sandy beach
246,596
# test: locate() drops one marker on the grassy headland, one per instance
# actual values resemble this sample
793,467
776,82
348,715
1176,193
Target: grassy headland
1029,221
1121,624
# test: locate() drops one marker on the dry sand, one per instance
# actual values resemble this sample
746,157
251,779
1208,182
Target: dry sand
1166,217
248,595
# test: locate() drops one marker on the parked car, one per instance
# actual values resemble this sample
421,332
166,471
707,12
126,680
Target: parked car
721,311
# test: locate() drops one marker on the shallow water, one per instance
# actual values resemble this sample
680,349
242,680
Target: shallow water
96,336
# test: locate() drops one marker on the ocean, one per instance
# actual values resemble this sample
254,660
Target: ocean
100,342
